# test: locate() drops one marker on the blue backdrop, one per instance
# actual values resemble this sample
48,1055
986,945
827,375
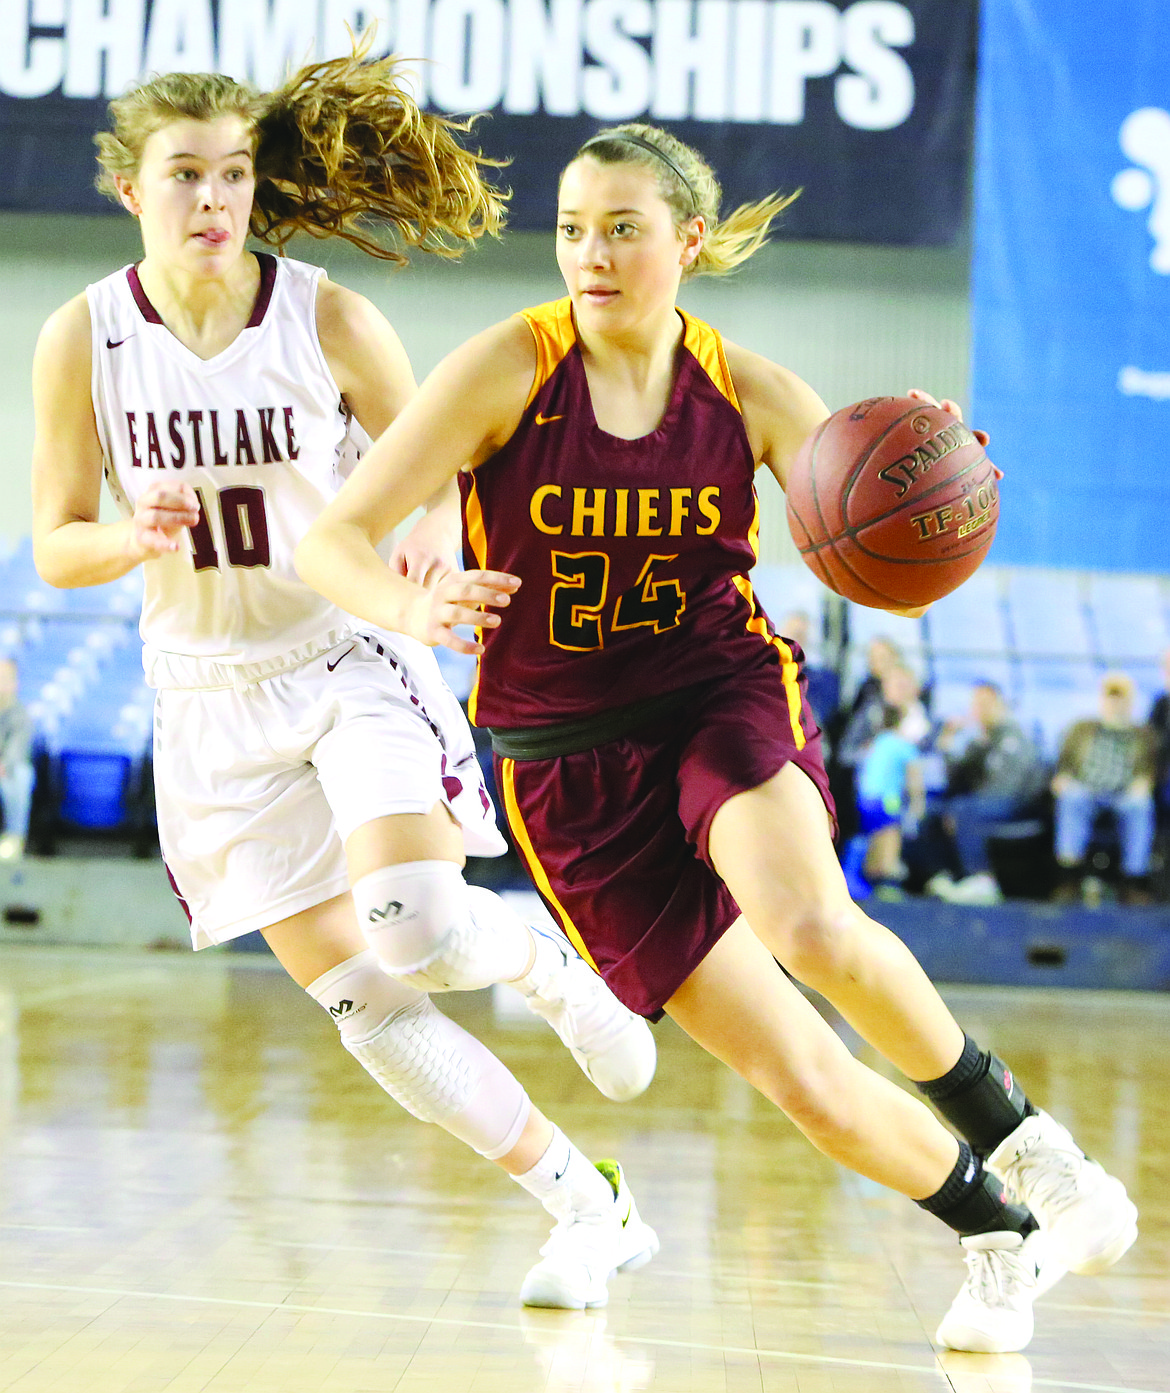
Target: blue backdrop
1071,301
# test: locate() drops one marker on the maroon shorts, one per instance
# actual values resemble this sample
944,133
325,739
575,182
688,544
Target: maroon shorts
615,837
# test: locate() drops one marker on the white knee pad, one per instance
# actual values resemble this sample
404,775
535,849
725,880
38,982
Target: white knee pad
359,996
418,919
424,1061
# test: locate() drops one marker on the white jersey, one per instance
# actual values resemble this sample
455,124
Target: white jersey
261,432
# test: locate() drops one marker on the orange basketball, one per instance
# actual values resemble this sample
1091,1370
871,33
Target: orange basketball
892,503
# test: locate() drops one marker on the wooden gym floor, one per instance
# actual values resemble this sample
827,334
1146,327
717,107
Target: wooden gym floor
202,1191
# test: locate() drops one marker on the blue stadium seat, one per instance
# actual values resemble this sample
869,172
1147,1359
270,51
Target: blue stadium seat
781,589
93,787
95,756
1059,675
966,669
971,619
1046,613
1128,616
866,624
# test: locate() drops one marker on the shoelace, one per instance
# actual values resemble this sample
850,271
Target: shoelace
994,1276
1049,1177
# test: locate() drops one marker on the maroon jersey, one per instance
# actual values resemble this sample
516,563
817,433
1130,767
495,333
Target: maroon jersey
634,553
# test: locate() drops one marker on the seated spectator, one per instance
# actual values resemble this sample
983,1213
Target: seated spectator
864,715
890,796
992,777
824,686
16,770
1107,763
1159,723
852,730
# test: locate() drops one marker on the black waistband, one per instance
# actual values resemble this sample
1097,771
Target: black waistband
571,737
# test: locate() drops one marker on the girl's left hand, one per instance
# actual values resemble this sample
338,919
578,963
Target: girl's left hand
917,394
427,553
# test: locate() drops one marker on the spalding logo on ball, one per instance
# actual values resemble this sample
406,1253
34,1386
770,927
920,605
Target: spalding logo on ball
892,503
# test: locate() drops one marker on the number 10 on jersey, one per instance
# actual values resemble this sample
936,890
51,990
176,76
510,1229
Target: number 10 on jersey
243,527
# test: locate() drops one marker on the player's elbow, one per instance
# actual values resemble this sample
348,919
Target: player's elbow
316,557
306,556
52,562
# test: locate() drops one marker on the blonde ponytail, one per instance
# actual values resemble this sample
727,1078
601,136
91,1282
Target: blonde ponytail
341,149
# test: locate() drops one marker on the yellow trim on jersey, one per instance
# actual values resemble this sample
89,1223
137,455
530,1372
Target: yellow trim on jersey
535,869
757,624
706,345
477,541
789,672
552,328
555,334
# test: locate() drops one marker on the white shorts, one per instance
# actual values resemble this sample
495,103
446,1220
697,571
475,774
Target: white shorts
258,785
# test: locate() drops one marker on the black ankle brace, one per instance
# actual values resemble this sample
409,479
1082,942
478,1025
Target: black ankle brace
979,1097
971,1200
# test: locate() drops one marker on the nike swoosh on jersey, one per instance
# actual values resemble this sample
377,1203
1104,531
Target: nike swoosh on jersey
348,651
547,420
112,343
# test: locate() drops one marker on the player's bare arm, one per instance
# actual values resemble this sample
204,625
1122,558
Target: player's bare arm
489,379
370,366
780,410
71,547
365,356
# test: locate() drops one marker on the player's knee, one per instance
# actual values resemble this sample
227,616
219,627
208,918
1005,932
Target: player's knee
817,941
359,997
417,918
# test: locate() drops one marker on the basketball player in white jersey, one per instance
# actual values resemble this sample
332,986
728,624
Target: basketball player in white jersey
306,768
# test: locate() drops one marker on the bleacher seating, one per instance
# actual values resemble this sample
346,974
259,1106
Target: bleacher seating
1045,637
80,666
1128,619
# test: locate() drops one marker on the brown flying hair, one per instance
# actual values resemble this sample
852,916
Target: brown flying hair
339,149
689,186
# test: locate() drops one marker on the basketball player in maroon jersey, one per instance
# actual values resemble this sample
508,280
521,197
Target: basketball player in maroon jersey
660,768
305,769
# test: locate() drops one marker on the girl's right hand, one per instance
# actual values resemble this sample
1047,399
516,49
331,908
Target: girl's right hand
161,514
463,597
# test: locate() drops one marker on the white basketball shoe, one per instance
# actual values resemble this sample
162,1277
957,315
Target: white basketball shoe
613,1046
1089,1219
992,1313
584,1251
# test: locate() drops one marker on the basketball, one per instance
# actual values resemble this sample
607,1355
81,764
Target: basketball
892,503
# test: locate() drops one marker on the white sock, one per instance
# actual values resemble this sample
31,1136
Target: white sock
566,1182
